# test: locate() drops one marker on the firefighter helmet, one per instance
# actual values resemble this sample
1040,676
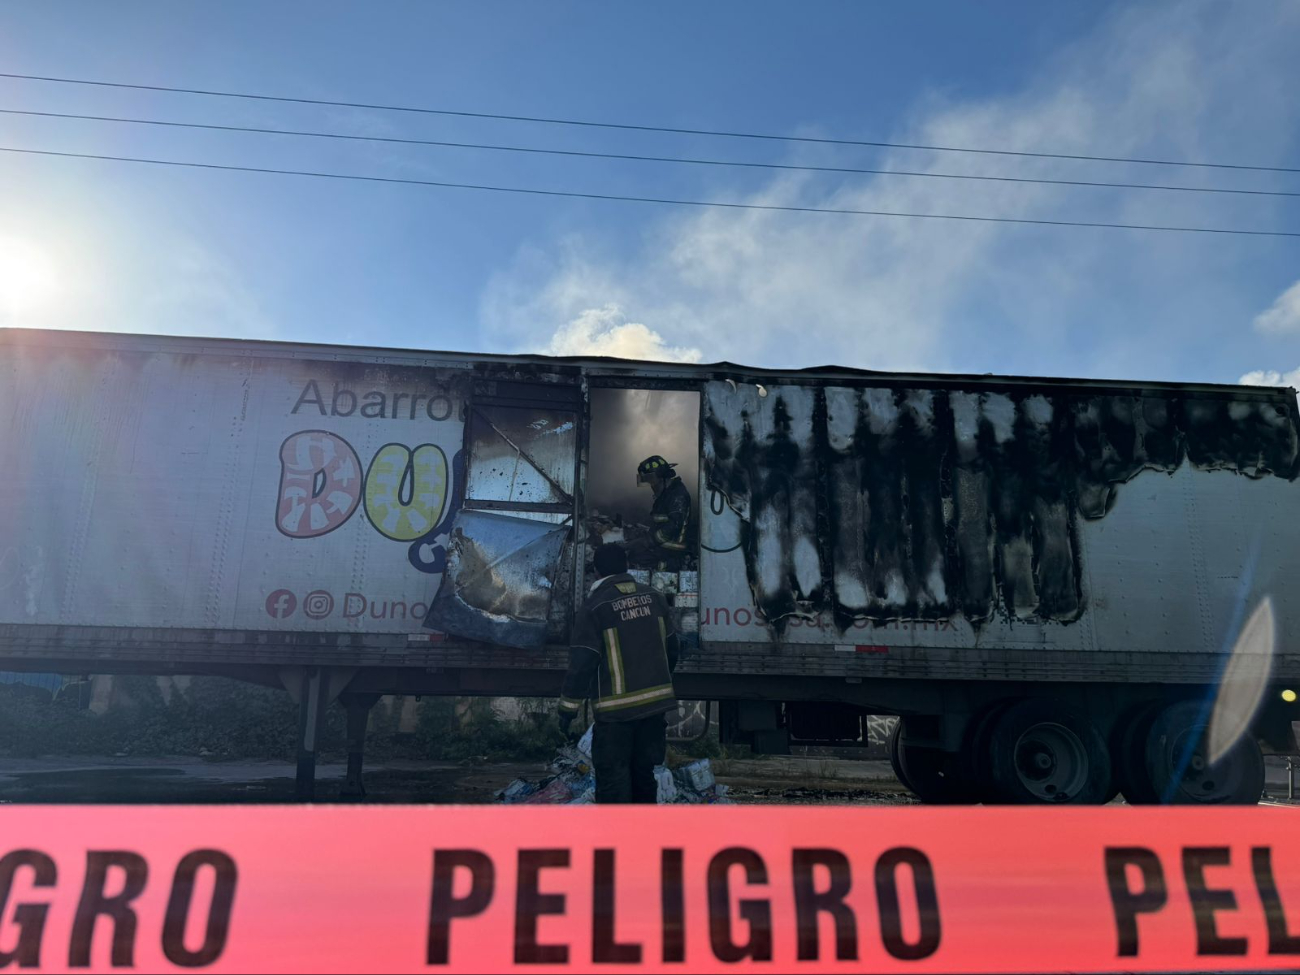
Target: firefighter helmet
653,464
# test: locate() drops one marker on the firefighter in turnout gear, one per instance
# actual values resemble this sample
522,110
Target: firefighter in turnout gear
670,513
622,656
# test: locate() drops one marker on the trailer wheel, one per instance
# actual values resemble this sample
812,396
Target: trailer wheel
975,753
933,775
1040,752
1128,756
895,755
1179,767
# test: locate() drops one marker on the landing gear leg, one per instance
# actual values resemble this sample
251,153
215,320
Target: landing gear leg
311,720
358,708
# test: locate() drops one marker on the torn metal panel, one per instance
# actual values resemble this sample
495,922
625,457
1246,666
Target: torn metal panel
522,455
560,617
501,572
889,504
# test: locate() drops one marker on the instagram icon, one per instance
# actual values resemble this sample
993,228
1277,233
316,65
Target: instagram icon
318,604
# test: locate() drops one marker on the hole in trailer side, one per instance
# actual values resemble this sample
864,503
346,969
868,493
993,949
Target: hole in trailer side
625,427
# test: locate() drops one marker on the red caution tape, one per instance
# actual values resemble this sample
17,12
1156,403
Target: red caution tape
684,889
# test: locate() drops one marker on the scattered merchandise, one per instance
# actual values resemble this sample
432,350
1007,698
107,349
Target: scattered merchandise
573,782
666,786
698,776
554,792
517,791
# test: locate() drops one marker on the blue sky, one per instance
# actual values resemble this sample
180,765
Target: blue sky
104,245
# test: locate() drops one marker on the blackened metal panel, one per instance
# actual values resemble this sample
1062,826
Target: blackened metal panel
759,450
501,572
881,462
928,504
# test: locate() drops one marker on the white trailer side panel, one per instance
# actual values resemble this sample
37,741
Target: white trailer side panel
162,489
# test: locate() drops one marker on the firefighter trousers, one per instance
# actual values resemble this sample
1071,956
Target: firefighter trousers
624,755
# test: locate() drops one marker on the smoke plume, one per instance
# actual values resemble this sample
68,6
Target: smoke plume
627,426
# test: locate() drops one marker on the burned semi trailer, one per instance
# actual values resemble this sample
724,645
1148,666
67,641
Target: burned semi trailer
1065,589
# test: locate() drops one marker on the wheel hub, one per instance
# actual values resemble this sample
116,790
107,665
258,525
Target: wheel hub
1052,762
1199,778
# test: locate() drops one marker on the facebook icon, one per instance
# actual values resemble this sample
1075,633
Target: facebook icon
281,603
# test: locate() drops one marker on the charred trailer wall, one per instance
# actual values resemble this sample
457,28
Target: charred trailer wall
896,503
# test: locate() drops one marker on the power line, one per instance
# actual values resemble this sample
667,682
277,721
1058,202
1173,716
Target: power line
262,130
645,128
572,194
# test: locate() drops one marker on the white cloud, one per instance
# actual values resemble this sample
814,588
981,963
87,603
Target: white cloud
787,289
1284,314
1271,377
605,331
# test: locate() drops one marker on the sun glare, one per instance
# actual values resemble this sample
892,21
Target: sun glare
27,279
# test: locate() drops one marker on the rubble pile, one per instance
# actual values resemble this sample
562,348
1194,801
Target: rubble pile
573,782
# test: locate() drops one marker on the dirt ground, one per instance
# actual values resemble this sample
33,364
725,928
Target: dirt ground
123,780
754,781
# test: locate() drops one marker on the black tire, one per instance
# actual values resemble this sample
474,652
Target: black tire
895,756
975,753
1042,753
934,775
1128,756
1180,771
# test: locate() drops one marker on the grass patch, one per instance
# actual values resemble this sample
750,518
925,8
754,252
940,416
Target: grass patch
214,717
467,730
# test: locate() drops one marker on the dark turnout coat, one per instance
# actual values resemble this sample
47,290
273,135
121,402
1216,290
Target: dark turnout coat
671,513
622,654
